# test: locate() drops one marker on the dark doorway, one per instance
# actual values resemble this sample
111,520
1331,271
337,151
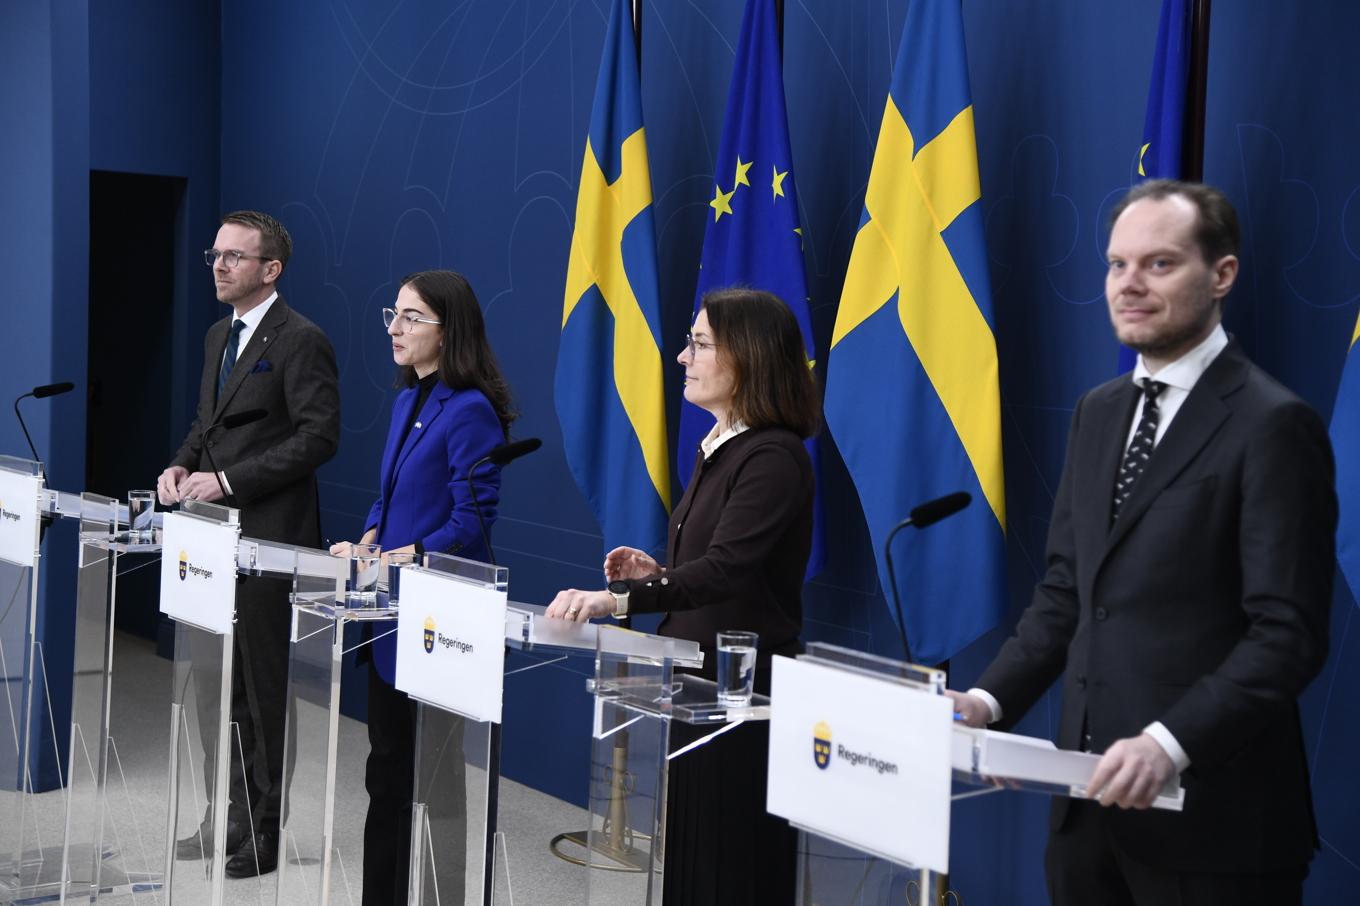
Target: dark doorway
133,223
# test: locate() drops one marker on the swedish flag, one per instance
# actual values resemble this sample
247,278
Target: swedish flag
753,237
608,386
1345,433
912,395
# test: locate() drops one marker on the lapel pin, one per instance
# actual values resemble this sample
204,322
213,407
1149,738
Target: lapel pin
417,424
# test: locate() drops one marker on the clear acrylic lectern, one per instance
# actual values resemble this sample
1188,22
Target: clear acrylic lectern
638,694
103,850
23,860
198,582
456,769
980,762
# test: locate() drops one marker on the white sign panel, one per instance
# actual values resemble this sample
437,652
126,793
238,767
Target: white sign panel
19,517
861,760
198,572
451,643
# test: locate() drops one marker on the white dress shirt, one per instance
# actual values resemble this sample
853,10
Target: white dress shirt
252,320
1180,378
713,440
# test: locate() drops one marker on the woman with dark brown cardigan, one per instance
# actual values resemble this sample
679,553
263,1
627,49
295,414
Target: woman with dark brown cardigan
738,545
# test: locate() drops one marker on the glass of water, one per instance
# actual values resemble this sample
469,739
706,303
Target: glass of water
395,564
141,510
736,667
361,589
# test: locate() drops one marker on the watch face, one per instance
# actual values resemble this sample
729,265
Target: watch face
618,587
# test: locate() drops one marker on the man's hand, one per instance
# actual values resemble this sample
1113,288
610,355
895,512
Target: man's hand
167,485
580,606
1131,773
200,486
629,563
973,710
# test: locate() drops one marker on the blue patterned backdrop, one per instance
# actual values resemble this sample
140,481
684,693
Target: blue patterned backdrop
392,137
395,135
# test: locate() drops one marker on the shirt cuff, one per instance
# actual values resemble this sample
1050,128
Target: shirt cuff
993,705
1158,731
226,484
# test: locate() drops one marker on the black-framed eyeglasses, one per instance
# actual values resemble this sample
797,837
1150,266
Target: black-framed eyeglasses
696,346
231,256
408,319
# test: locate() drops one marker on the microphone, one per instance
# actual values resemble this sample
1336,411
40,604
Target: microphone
39,393
227,423
932,511
500,456
926,514
47,390
237,419
508,453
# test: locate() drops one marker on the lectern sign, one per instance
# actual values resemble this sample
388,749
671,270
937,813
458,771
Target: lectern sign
19,517
861,760
451,643
198,572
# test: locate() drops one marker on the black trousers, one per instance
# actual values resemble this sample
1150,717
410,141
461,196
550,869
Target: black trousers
722,848
390,780
259,690
1086,865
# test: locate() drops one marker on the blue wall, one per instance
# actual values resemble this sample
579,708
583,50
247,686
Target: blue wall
131,88
396,136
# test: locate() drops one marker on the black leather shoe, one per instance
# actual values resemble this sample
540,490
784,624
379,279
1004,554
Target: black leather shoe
199,844
258,856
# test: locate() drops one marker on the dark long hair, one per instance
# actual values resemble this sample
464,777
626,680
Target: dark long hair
465,359
759,339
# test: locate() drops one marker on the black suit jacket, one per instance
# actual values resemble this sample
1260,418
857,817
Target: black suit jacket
1205,607
288,370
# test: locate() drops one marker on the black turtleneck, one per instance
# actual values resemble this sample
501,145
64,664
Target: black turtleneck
425,385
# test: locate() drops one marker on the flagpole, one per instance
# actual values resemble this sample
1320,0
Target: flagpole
1192,149
637,33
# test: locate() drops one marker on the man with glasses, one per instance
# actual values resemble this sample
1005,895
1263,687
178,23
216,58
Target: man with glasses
267,357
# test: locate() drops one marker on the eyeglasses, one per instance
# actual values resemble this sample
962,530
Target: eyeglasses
697,346
231,256
409,319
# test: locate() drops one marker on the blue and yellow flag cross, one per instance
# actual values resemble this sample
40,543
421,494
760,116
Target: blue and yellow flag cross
608,387
913,392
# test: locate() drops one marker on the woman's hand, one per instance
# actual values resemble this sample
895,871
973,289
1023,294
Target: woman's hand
580,606
629,563
345,548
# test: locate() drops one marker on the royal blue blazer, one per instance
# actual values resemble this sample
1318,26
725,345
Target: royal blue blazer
424,493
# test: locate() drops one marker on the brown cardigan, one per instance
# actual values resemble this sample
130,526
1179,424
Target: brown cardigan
738,545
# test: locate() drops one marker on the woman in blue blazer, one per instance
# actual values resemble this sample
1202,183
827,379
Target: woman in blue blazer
454,410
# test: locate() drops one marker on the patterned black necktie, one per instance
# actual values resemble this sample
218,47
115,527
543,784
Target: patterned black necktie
229,360
1140,448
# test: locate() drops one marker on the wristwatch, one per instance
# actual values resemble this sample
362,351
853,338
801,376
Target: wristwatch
620,590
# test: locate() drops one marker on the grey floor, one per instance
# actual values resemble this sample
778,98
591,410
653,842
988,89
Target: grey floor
526,872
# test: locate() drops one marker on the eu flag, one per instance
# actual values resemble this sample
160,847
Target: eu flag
753,238
1160,154
608,386
1159,157
912,396
1345,433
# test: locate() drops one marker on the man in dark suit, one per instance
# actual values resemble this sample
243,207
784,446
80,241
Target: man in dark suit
268,357
1186,597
